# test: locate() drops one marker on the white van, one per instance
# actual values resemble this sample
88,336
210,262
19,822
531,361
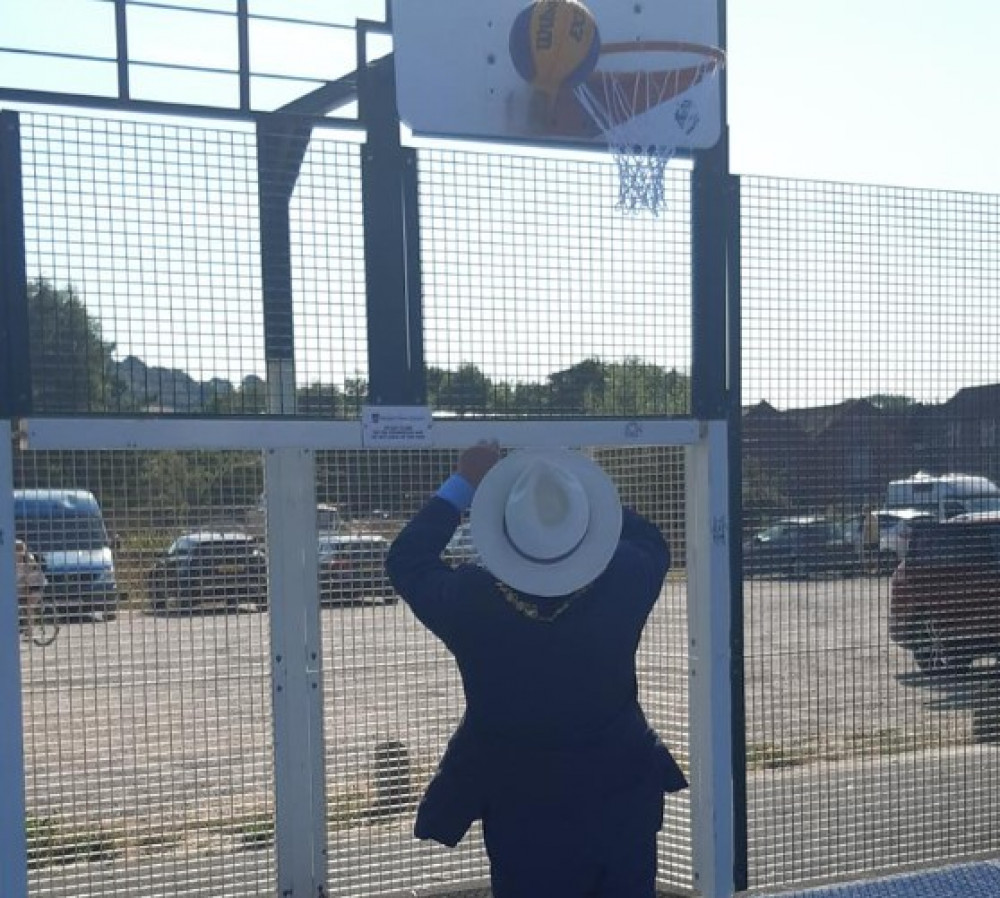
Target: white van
943,495
65,530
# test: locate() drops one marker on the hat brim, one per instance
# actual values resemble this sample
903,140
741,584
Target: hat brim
588,560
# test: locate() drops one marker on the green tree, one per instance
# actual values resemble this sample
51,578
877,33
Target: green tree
435,379
465,390
321,400
579,387
252,395
250,398
355,395
890,402
530,397
635,387
71,362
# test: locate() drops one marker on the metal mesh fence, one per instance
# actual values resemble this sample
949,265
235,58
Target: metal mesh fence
147,720
141,236
144,248
395,695
144,254
540,299
328,280
868,327
869,317
212,55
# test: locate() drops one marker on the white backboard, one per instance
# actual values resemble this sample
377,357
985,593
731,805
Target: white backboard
455,77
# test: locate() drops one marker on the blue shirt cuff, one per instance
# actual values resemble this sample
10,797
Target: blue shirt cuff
458,491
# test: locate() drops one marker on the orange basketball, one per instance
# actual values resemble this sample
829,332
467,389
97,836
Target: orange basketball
554,43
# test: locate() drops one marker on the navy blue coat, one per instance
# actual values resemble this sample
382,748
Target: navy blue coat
552,714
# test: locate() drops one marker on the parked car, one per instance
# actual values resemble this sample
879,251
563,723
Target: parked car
802,546
944,495
352,568
209,569
65,530
879,537
894,528
944,599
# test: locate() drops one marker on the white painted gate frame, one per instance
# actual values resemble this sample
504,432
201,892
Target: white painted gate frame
289,448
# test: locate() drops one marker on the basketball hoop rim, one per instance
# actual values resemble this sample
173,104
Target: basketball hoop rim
714,54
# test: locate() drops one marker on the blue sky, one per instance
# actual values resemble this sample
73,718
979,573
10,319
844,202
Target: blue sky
877,91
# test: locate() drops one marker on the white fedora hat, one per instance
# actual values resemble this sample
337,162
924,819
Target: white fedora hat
546,521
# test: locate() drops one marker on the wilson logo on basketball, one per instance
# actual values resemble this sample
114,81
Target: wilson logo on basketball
545,28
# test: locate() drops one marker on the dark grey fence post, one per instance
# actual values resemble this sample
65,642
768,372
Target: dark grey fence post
15,360
710,226
281,146
735,407
715,396
392,246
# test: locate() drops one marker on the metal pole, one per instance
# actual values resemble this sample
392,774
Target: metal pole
121,48
392,248
297,684
290,503
708,534
15,399
243,44
716,617
710,226
281,146
735,418
710,229
15,362
13,836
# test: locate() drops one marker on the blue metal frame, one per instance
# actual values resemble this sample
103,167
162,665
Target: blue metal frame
716,393
281,147
15,361
737,653
392,242
709,282
122,61
121,47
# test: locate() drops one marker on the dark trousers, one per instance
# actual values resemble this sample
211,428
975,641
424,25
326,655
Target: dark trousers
607,850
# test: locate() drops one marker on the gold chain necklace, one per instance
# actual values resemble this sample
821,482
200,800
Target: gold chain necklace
530,610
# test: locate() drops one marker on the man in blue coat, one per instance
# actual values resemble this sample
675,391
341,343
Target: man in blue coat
553,753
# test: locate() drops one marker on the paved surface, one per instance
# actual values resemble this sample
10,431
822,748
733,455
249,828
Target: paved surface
149,747
980,880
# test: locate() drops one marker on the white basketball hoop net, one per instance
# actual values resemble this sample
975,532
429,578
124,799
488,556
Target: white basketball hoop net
646,113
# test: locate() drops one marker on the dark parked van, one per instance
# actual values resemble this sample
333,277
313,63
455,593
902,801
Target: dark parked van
945,595
65,530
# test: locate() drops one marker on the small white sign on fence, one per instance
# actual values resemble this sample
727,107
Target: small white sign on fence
396,427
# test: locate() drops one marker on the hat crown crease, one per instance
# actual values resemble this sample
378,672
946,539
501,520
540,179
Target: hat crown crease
547,513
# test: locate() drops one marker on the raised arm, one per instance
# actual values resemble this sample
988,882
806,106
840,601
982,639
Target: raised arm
426,583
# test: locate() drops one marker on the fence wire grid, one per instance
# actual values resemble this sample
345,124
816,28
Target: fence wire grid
868,319
175,208
148,725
